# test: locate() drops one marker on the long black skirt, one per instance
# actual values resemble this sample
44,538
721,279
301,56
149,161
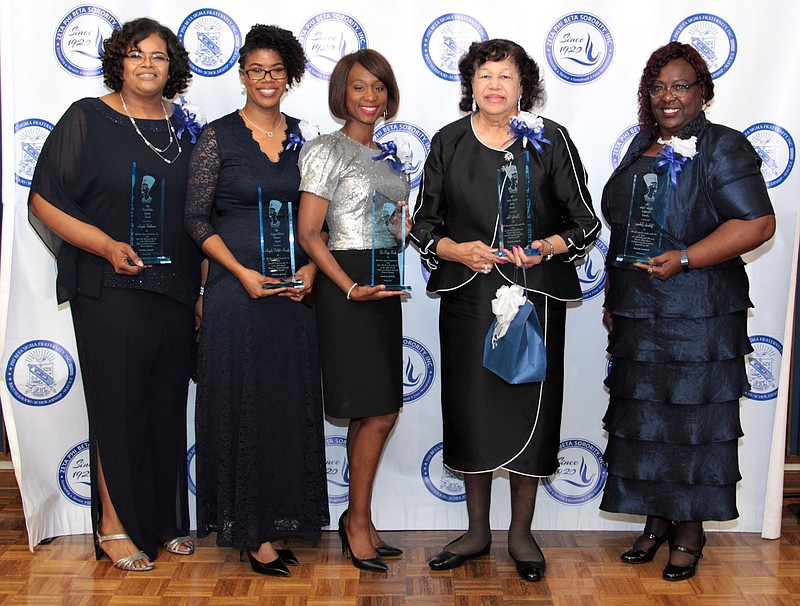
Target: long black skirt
135,348
488,423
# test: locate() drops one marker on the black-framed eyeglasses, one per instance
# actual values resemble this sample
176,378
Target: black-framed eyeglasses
136,56
676,90
259,73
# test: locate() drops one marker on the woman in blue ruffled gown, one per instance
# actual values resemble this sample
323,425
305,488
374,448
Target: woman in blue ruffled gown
678,322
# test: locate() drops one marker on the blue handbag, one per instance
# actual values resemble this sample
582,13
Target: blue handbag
519,355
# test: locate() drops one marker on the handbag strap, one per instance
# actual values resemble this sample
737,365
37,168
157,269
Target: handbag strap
524,278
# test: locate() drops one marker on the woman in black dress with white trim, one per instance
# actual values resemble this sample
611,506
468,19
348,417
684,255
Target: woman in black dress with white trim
488,423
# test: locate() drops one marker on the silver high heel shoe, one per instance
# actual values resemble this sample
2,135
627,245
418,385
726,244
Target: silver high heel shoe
128,562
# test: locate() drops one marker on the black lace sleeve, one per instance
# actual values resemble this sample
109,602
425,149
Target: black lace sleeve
203,176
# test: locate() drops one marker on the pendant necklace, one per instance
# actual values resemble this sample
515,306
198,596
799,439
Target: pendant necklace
170,131
269,133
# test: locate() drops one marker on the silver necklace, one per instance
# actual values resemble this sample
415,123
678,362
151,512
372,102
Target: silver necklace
170,130
269,133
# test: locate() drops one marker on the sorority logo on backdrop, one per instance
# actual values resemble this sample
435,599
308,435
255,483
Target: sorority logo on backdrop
441,482
326,38
446,40
763,367
581,473
579,48
79,39
621,145
74,475
776,148
212,40
592,272
712,37
191,469
418,370
337,469
29,137
40,373
417,139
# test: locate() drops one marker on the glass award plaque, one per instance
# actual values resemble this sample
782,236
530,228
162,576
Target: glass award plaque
388,243
276,236
645,228
147,217
514,208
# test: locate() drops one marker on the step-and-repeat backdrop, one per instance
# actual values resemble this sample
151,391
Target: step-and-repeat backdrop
591,56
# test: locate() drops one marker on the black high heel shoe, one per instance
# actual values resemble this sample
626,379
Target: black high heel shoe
387,551
447,560
275,568
681,573
375,564
641,556
288,557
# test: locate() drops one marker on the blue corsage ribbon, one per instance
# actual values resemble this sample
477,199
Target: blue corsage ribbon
389,153
189,123
294,142
674,161
521,130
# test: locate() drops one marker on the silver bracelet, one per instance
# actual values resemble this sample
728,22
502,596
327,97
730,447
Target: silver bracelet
202,290
552,248
349,292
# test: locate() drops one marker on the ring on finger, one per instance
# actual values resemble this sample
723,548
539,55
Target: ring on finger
650,270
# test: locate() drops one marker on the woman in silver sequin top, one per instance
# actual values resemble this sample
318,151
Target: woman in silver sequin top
360,327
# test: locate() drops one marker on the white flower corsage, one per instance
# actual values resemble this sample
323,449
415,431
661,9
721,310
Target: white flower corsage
308,131
685,147
398,154
528,127
191,119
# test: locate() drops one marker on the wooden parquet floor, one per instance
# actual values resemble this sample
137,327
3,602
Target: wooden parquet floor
583,570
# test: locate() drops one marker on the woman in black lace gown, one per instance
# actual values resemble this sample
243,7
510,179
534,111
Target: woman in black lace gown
260,461
133,321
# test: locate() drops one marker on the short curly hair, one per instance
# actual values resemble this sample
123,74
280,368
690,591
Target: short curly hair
283,42
499,49
660,57
377,65
122,40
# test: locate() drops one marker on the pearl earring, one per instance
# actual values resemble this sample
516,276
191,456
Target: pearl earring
244,89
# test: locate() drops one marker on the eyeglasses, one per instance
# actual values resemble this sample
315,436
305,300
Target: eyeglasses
259,73
676,90
136,56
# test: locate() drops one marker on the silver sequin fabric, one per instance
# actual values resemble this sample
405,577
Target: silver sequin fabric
343,172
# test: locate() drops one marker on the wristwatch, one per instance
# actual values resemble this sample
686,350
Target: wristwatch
685,261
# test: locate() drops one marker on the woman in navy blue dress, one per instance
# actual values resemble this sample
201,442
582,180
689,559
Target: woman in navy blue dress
678,323
260,443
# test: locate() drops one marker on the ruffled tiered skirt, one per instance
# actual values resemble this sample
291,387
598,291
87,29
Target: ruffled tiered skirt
673,416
